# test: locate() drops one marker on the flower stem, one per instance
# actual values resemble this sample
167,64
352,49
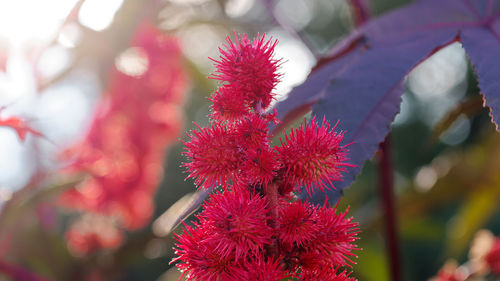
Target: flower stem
387,195
271,193
360,11
258,108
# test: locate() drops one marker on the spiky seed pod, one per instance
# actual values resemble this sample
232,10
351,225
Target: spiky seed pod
297,221
249,67
253,132
313,156
260,166
227,105
197,257
239,222
213,156
334,236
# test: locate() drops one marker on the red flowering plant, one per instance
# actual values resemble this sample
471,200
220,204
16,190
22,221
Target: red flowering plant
123,150
254,227
483,261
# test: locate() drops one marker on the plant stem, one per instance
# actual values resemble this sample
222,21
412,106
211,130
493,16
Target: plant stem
360,11
387,195
271,193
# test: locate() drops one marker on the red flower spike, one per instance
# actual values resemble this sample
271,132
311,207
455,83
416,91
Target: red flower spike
133,125
256,228
297,223
312,156
214,156
249,68
227,105
239,220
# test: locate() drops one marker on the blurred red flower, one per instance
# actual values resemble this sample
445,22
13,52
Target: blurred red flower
136,120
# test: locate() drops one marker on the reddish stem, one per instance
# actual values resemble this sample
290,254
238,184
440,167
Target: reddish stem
387,194
271,193
360,10
258,108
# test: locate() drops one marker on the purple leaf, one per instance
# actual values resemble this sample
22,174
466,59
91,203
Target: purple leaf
361,82
483,49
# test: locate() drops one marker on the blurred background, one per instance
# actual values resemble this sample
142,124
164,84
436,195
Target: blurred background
67,67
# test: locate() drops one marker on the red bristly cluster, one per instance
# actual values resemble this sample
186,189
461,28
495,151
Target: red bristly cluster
483,262
253,227
123,150
493,257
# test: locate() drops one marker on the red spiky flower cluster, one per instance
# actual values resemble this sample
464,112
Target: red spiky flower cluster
123,149
253,227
